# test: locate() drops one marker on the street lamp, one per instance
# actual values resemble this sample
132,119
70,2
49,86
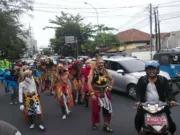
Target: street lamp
95,10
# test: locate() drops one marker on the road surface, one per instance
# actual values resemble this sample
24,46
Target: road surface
79,122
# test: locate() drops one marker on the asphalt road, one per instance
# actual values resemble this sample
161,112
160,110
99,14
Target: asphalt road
79,122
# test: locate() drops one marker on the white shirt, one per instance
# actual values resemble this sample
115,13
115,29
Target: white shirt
151,93
25,87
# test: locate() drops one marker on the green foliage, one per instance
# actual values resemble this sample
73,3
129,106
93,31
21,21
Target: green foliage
70,25
47,52
11,29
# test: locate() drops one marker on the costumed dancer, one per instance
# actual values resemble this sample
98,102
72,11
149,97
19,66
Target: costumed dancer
74,71
64,94
48,76
5,81
93,63
84,78
53,87
100,95
19,73
12,81
41,72
37,77
30,103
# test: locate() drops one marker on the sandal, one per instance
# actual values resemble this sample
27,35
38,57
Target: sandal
107,129
95,127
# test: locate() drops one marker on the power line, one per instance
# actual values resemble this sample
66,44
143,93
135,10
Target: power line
135,16
77,9
171,18
168,2
63,6
50,11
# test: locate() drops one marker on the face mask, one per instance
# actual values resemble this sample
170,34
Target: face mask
28,79
88,66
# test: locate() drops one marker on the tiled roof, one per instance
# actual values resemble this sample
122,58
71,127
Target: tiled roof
133,35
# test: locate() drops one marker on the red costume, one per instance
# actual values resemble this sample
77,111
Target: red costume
84,74
74,70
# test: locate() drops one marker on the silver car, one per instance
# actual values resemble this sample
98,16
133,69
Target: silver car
126,71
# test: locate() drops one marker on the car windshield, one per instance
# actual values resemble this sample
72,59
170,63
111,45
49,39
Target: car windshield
133,65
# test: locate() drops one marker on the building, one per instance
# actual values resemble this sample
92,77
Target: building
174,40
31,45
133,39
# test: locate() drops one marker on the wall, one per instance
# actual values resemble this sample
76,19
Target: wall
145,56
128,47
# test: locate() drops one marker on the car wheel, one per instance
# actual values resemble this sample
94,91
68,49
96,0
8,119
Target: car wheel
131,91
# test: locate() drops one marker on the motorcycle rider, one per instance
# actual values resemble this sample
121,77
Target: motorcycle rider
153,87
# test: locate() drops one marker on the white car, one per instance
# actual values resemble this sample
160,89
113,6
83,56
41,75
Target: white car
126,71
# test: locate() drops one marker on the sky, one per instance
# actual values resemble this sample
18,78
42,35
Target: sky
120,14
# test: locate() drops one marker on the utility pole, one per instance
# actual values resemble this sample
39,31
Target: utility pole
155,16
150,29
159,33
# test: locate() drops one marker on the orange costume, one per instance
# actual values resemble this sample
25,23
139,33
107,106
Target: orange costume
63,94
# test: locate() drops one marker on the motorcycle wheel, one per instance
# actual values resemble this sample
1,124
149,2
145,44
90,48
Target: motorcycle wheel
146,133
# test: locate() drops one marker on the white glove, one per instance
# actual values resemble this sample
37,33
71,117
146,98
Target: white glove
22,107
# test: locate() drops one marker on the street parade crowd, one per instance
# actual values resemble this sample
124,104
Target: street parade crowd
79,83
69,85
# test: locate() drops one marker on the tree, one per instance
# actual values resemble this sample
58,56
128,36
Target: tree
69,25
88,47
105,38
10,27
46,52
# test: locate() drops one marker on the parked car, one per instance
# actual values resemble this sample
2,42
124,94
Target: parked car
126,71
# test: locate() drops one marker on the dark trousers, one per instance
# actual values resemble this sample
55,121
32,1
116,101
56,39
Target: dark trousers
63,109
139,120
6,88
74,93
35,119
86,99
14,94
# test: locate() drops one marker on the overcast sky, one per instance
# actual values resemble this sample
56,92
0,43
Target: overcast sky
120,14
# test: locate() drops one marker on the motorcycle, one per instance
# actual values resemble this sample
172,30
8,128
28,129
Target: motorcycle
156,122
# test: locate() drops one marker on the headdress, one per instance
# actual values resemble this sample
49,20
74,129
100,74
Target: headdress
27,72
99,59
60,66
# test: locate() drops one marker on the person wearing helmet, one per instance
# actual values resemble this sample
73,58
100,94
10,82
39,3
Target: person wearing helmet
153,87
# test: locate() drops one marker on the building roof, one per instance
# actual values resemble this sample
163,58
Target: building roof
163,35
133,35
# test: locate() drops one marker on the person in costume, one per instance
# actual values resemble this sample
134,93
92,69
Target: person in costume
5,81
12,84
36,76
29,101
63,93
100,94
74,71
84,78
48,78
93,63
18,72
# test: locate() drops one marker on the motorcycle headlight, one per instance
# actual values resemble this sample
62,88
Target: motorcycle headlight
153,108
